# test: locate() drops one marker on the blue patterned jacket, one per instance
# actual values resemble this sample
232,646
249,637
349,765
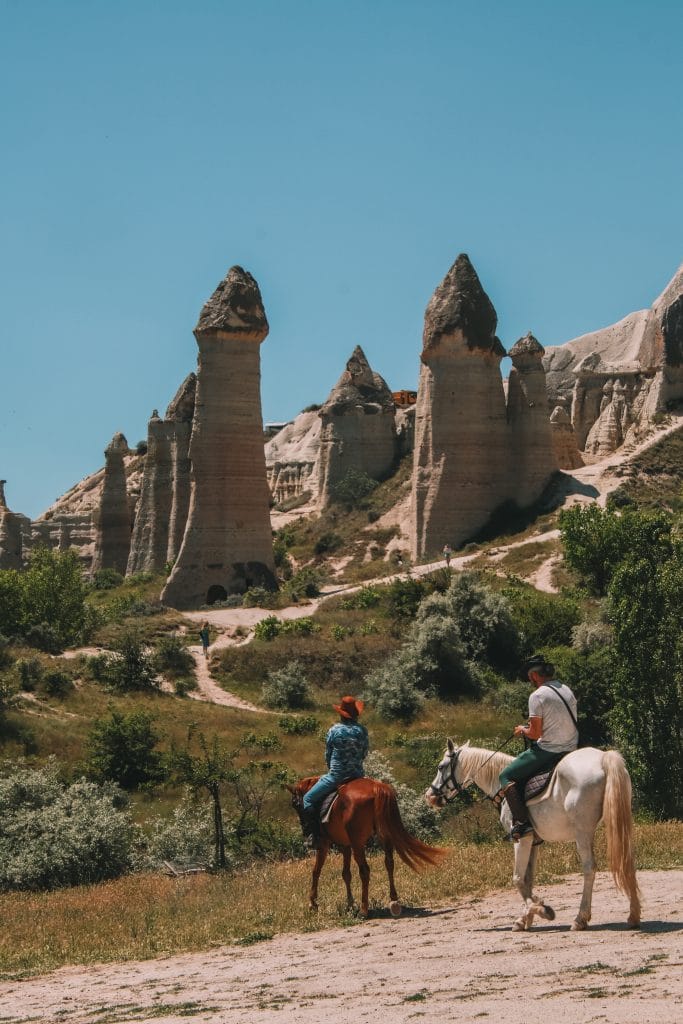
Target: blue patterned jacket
346,747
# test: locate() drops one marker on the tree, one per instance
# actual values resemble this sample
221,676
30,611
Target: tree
207,770
646,601
54,593
122,748
131,668
11,602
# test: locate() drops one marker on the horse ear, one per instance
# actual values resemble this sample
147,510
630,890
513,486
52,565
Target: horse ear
451,745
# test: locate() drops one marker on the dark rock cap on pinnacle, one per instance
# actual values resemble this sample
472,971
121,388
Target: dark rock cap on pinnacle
527,346
117,446
181,406
235,307
460,303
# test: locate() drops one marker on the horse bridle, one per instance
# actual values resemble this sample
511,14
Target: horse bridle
458,788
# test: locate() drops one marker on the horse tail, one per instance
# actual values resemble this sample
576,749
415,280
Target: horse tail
616,812
390,829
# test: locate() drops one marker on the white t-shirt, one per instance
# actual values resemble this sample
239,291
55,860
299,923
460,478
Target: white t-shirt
558,731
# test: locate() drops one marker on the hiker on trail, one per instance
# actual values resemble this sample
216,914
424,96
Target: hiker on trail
204,637
346,747
552,730
447,553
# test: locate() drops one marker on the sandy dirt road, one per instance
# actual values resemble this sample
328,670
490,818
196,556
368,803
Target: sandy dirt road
454,963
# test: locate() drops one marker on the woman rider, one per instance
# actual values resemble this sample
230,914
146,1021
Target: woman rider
346,747
553,733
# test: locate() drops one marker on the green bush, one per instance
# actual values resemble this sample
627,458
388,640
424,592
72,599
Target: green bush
122,748
287,688
484,620
259,597
43,637
403,598
366,597
131,666
186,839
304,583
419,818
354,486
29,672
327,542
305,626
106,579
53,835
268,628
391,693
171,655
11,602
57,683
53,594
5,654
543,620
300,725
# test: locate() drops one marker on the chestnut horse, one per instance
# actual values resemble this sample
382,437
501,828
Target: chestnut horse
365,807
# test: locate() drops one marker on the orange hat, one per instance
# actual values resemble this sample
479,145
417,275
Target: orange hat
349,707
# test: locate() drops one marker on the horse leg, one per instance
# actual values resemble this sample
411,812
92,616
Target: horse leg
364,872
522,876
346,875
394,905
320,858
584,845
537,906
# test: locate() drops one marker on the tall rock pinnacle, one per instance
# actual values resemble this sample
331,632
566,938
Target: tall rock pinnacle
112,518
227,544
532,448
358,429
461,435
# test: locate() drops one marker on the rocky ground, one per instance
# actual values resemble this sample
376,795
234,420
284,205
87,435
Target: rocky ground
457,962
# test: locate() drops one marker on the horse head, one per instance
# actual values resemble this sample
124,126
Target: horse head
448,781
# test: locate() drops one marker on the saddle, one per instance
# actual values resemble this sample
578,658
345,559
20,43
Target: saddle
326,806
537,784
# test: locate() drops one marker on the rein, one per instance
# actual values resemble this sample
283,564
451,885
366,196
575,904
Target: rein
458,788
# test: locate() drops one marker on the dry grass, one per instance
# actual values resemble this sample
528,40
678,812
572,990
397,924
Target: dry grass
145,916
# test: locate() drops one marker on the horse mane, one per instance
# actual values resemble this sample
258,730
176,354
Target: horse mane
482,766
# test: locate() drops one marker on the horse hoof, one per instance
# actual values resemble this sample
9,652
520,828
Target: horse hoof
579,925
518,926
547,913
313,907
633,922
395,908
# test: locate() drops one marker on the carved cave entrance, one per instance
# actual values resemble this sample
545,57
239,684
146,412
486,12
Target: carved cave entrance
216,593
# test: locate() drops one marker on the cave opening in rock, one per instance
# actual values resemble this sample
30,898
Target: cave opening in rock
216,593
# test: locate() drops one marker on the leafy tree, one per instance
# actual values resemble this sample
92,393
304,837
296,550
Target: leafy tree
122,748
208,770
542,620
287,688
597,540
646,601
54,593
11,602
131,668
353,487
484,620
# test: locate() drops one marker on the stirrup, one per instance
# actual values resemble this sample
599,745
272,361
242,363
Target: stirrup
519,829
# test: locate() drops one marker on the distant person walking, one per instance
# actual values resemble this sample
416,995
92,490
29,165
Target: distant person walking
447,554
204,637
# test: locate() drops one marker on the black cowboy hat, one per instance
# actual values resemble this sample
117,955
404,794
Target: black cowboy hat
536,663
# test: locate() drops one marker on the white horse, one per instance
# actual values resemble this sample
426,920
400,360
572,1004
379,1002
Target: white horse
588,785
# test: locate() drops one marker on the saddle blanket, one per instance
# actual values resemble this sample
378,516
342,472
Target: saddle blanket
326,806
535,785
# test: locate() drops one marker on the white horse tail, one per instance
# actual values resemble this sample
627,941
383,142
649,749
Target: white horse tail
618,819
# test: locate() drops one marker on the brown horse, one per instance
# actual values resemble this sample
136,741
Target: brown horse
365,808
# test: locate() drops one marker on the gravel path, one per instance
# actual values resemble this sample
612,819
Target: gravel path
459,962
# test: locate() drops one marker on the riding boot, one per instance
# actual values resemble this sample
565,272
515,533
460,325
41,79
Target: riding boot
521,825
310,826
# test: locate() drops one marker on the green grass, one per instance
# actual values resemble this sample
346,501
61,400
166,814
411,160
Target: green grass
143,916
654,479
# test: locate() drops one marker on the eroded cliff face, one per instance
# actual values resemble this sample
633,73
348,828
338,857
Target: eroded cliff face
614,381
227,543
292,458
358,427
14,529
473,449
112,518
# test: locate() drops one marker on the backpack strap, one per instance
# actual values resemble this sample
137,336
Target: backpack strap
571,713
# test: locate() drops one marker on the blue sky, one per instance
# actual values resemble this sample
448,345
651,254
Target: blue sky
344,153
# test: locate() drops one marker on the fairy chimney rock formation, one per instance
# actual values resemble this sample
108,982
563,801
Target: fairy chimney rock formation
180,413
564,439
461,451
14,529
227,543
112,519
358,427
149,545
531,437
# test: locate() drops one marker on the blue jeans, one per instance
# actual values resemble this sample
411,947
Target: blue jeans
325,784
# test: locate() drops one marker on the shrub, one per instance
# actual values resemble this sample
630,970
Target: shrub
301,725
591,636
44,637
304,583
403,598
121,748
327,542
366,597
268,628
392,694
11,602
543,620
53,594
354,486
258,597
305,626
54,835
338,632
484,621
57,683
141,448
171,655
287,688
29,672
5,655
106,579
186,839
131,667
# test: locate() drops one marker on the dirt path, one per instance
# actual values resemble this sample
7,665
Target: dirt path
459,962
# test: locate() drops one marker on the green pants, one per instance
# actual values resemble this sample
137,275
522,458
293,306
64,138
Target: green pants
532,762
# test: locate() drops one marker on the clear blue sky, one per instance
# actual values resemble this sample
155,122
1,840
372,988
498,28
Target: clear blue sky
344,153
